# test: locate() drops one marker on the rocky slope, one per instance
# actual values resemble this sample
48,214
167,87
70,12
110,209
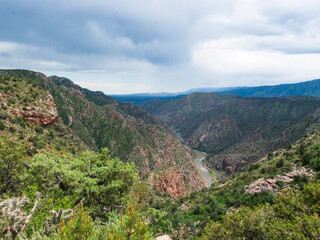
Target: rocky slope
28,114
292,167
128,131
235,130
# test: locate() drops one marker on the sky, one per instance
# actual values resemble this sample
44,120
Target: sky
132,46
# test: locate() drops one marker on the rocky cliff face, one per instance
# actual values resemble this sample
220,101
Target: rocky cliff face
128,131
24,104
149,146
169,181
44,113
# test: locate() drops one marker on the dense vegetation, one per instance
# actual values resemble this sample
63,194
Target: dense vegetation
105,186
227,197
126,130
53,187
49,159
95,180
24,95
100,99
237,131
294,215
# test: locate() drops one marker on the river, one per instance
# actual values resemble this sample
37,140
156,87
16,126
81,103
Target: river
205,173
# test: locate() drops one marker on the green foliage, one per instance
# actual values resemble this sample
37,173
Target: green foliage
38,129
130,227
2,126
293,214
3,115
254,166
40,144
12,129
158,220
79,227
270,155
49,203
280,163
103,182
12,156
11,101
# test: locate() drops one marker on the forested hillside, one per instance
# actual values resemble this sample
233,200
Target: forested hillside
278,196
48,176
47,173
235,130
54,186
126,130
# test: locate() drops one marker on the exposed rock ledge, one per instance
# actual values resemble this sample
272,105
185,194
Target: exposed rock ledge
263,185
44,112
169,181
164,237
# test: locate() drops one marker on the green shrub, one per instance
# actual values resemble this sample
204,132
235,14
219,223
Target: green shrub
38,129
11,101
280,163
58,147
280,183
300,179
254,166
306,157
33,139
130,226
104,182
40,144
80,226
12,156
292,214
58,128
20,121
2,126
3,115
270,155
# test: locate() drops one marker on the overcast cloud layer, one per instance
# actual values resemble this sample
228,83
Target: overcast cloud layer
128,46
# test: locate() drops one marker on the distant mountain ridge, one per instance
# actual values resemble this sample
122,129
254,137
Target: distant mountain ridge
309,88
142,98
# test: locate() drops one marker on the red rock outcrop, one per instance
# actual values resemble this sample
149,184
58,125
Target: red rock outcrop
43,113
169,181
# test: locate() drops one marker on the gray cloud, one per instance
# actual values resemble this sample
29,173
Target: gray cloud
162,45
